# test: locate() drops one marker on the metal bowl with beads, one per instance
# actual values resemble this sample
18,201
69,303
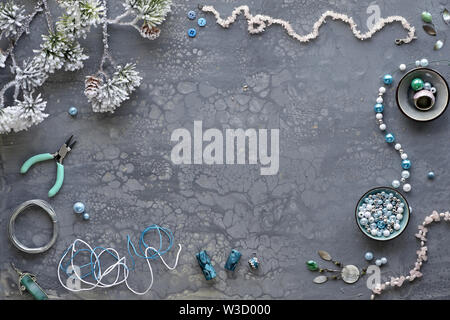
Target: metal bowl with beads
382,213
405,95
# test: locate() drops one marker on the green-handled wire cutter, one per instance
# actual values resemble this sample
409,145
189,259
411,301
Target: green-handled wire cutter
59,157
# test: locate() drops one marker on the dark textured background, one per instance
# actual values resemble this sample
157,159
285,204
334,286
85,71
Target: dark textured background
320,95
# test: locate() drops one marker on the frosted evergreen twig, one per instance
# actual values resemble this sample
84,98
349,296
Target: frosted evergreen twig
258,23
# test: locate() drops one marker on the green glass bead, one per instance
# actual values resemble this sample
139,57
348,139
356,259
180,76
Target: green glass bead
417,84
426,17
312,265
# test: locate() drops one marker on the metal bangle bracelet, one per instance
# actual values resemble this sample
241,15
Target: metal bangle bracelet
27,204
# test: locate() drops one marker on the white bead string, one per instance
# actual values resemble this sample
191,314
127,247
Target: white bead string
258,23
99,275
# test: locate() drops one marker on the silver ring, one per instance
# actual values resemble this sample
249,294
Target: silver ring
22,207
424,100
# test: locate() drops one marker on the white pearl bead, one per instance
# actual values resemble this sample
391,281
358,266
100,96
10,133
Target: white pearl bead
396,226
404,156
379,116
400,210
396,184
386,233
405,174
367,215
424,62
402,67
417,63
373,232
407,187
389,206
379,100
398,146
399,217
371,220
360,214
382,90
433,90
382,127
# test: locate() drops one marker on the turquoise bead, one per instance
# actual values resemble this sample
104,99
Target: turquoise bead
387,79
378,108
406,164
431,175
192,32
86,216
389,138
201,22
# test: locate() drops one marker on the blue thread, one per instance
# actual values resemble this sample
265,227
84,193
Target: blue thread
95,264
143,245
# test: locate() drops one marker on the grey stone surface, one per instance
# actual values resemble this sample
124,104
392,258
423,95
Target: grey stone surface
319,95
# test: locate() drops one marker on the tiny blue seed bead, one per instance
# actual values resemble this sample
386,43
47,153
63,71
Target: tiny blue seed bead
86,216
389,138
431,175
378,108
406,164
387,79
368,256
78,207
73,111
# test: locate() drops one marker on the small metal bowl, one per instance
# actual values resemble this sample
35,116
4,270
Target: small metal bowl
404,95
403,223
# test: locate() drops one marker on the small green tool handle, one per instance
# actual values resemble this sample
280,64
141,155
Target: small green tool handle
35,159
33,288
59,180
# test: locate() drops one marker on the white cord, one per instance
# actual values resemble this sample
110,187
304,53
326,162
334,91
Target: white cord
258,23
99,275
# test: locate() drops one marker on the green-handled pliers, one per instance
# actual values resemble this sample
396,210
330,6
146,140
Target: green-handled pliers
59,157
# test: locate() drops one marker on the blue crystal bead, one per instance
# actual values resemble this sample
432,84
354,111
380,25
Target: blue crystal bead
368,256
378,108
387,79
389,138
253,263
406,164
381,224
73,111
78,207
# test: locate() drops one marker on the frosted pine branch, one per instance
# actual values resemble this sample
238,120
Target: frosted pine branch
12,17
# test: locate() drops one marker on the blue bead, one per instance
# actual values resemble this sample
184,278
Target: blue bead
378,262
78,207
378,108
86,216
431,175
73,111
381,224
383,260
406,164
387,79
368,256
389,138
191,15
253,263
201,22
232,260
192,32
205,263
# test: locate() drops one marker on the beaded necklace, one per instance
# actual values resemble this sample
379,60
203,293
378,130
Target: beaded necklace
258,23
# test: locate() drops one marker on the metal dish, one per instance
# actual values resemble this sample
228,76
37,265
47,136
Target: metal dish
404,95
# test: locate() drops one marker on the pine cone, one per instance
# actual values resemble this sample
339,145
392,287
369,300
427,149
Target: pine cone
150,32
92,85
